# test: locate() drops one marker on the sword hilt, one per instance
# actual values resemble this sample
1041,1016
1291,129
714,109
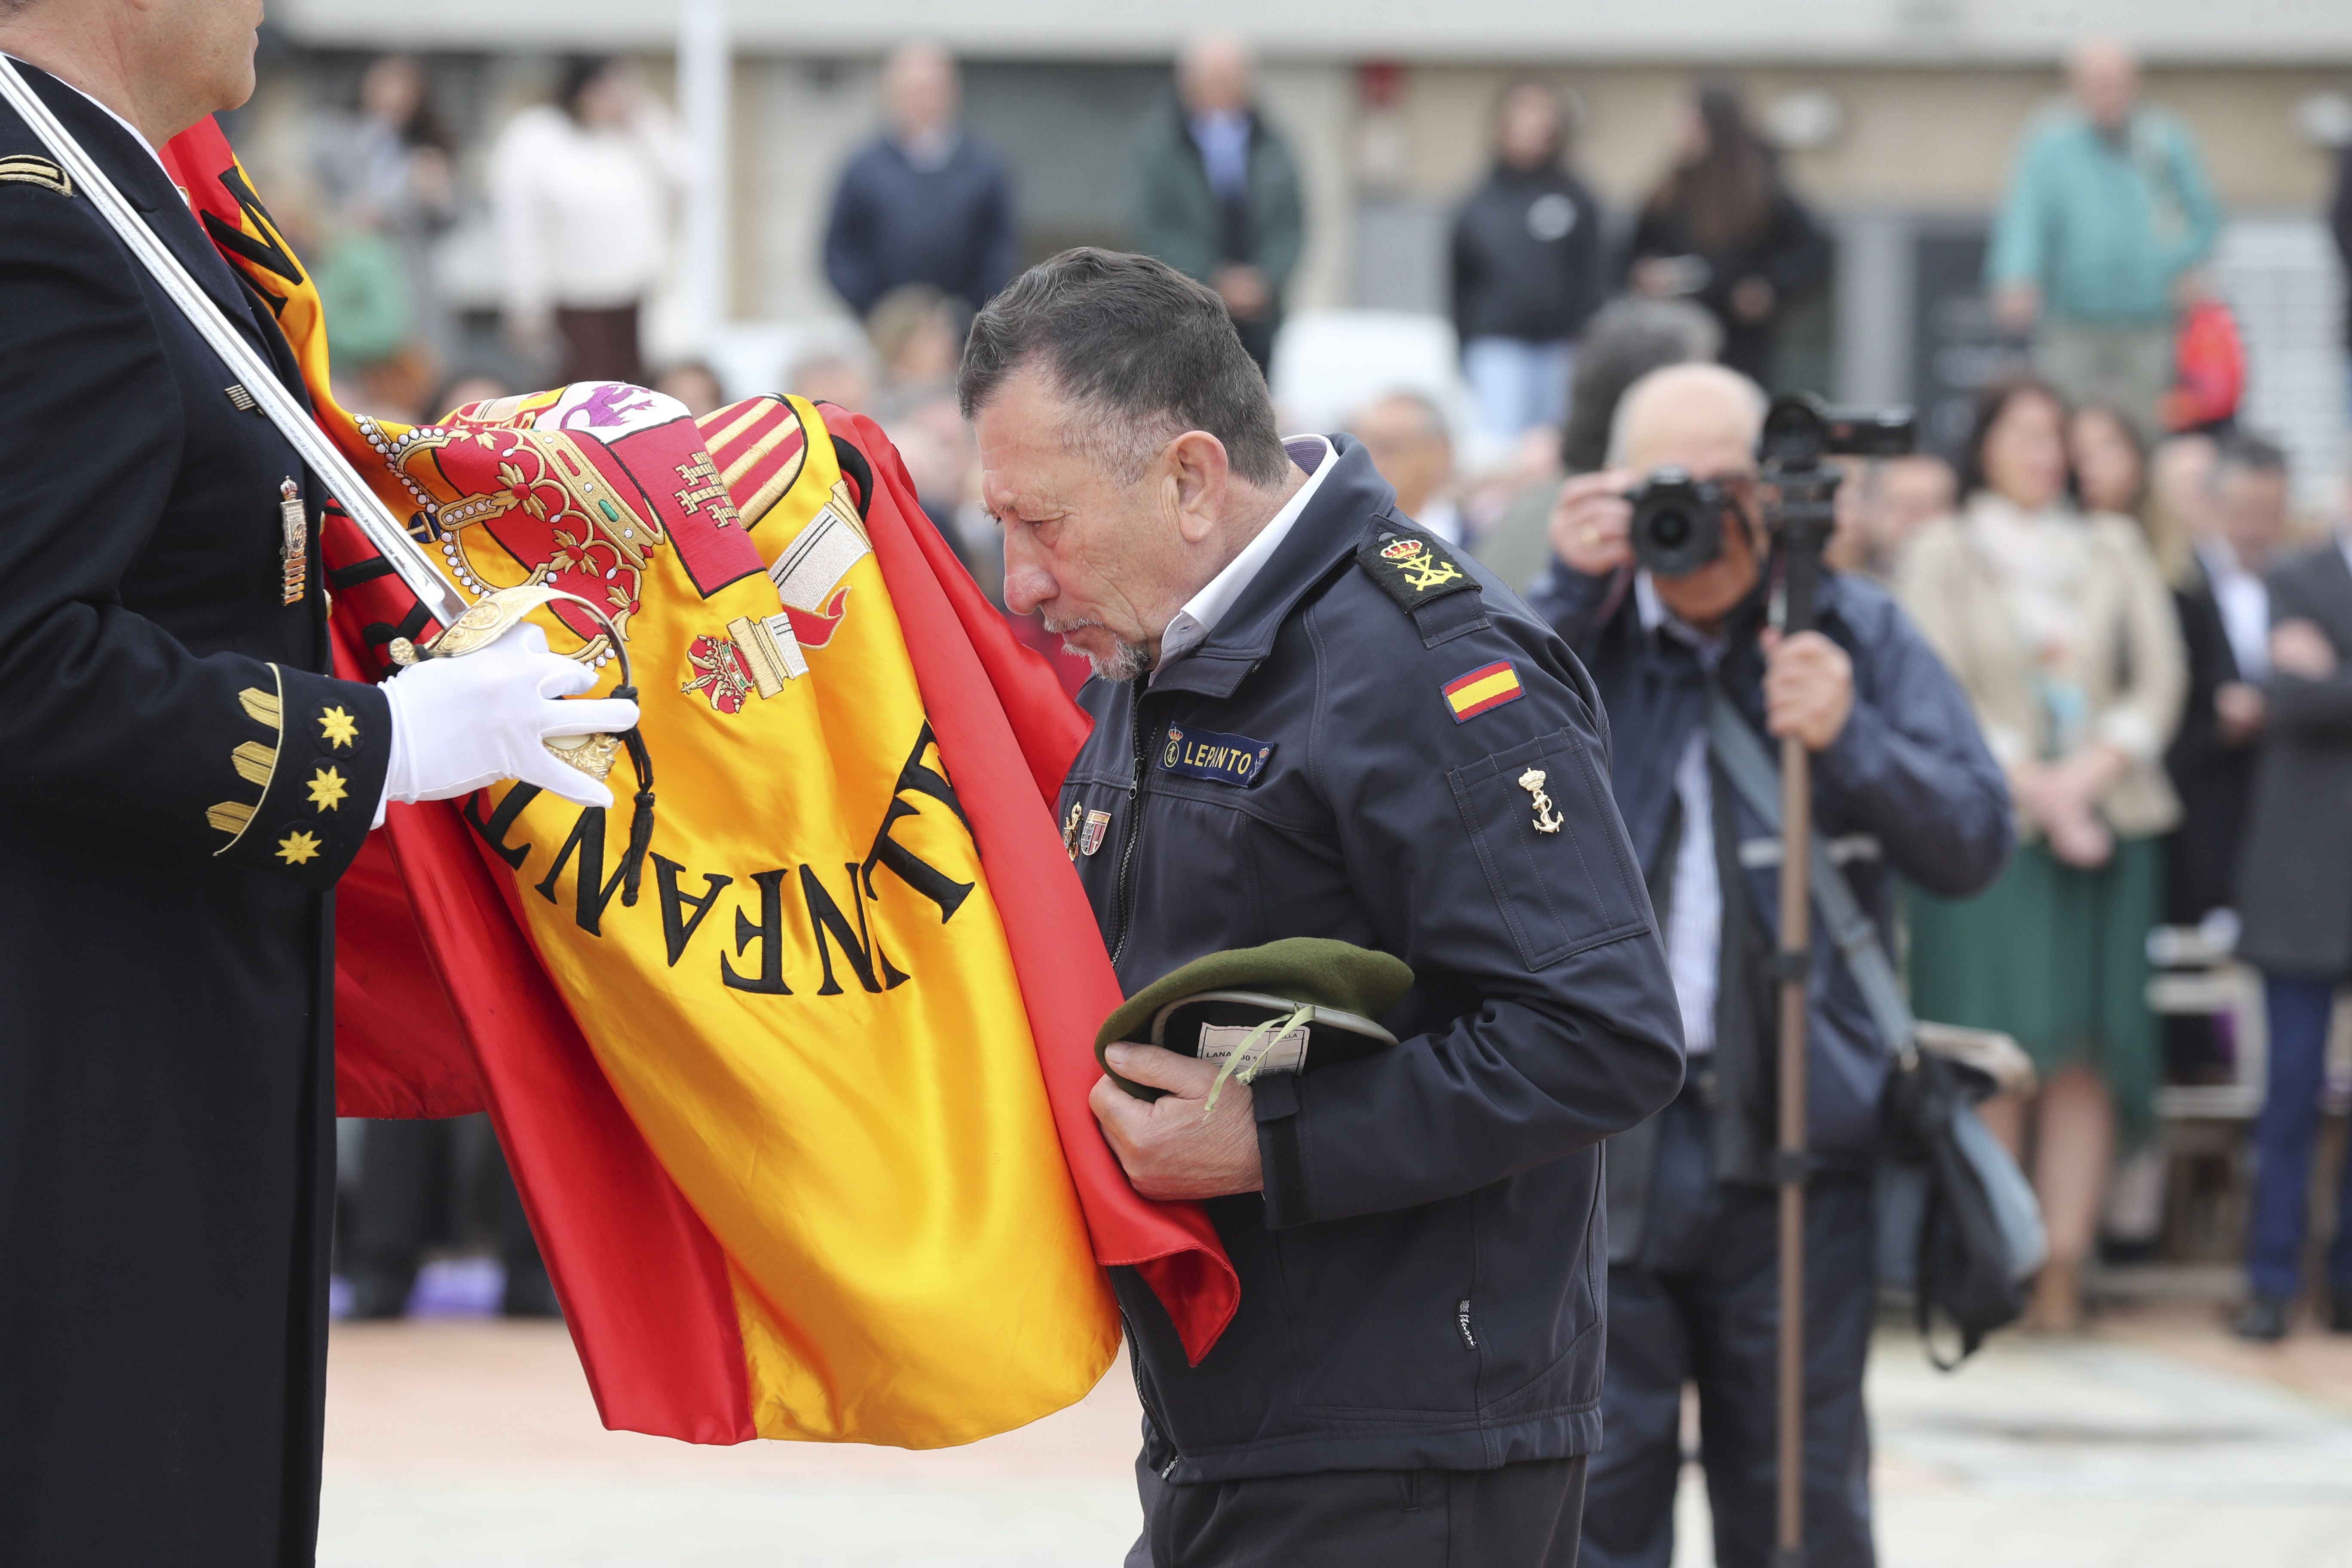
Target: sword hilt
490,619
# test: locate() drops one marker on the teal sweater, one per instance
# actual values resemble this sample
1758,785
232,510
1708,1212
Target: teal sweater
2104,228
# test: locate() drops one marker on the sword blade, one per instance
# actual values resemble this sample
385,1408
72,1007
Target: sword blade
293,421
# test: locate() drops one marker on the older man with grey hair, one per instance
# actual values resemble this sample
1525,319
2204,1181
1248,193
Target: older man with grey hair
1902,784
1413,1373
1217,194
1412,445
925,202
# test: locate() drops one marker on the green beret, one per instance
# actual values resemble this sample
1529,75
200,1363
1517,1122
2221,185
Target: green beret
1351,984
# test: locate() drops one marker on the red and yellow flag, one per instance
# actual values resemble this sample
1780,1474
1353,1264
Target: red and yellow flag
796,1100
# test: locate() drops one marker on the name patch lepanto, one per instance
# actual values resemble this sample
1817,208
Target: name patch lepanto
1233,760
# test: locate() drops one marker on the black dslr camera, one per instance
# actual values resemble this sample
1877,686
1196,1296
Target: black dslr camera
1678,520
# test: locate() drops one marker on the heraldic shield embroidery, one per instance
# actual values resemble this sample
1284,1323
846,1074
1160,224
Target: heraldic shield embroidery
791,972
579,489
573,489
805,914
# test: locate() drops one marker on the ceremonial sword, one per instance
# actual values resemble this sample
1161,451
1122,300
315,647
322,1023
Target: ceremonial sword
465,626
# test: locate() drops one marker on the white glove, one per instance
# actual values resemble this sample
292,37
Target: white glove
460,723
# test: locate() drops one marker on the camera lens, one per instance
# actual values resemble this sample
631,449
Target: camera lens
1795,433
1677,524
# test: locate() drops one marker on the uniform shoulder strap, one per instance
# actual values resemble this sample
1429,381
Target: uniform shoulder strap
1413,568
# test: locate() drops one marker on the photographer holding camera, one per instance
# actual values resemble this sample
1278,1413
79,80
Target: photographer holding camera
1663,583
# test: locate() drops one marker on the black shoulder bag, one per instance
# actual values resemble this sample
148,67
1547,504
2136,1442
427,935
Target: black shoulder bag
1959,1230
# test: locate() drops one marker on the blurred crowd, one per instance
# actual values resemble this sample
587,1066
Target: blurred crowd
2113,567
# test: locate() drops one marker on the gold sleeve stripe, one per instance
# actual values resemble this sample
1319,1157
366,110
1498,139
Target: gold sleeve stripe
26,169
255,762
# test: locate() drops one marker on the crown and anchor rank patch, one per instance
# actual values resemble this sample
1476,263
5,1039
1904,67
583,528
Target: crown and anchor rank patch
1413,569
1233,760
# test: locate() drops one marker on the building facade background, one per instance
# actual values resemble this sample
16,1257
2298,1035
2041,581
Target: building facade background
1899,119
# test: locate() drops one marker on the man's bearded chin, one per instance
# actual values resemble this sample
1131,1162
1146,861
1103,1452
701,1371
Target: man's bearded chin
1125,661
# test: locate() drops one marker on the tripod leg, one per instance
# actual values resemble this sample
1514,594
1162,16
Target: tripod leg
1796,950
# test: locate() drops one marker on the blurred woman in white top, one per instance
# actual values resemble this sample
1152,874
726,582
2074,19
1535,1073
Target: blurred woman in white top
585,191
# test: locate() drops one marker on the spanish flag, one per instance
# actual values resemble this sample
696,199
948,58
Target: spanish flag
794,1084
1482,690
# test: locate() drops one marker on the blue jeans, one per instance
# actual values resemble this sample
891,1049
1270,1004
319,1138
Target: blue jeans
1518,385
2283,1135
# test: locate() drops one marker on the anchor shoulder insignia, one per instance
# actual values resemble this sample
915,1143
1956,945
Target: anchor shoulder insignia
1413,567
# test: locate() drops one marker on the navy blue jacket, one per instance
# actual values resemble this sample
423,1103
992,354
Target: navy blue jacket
185,780
893,223
1421,1278
1907,787
1527,257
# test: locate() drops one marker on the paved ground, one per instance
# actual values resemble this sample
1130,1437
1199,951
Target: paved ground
2155,1443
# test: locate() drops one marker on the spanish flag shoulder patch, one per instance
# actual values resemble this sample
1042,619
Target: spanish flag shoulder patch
1484,689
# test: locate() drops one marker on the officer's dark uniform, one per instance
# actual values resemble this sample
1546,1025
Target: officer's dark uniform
1414,1372
1908,787
181,787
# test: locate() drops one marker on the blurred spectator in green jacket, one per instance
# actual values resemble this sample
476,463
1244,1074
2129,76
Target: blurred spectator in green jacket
384,165
2108,214
1217,195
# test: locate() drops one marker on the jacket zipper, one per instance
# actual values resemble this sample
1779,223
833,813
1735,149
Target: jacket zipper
1118,945
1134,826
1143,1395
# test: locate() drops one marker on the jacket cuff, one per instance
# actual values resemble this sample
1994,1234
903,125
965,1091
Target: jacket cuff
1858,756
1281,1154
321,770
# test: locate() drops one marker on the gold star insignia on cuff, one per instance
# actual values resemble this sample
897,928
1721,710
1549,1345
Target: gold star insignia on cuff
298,848
338,726
327,788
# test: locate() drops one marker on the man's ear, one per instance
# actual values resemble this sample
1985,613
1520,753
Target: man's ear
1194,477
